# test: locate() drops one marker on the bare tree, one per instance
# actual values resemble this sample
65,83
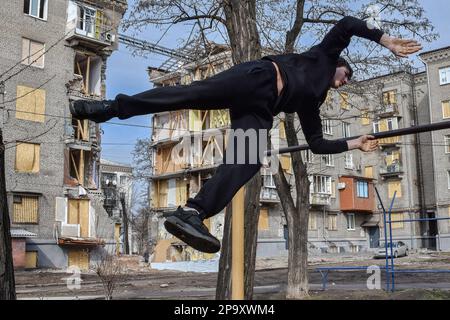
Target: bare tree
111,272
250,25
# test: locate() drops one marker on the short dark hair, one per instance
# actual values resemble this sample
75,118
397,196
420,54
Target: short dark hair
343,63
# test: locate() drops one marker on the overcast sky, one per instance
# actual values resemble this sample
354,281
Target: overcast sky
127,74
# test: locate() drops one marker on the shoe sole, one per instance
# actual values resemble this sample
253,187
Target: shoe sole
191,236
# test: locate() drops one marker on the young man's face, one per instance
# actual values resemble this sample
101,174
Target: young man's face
341,77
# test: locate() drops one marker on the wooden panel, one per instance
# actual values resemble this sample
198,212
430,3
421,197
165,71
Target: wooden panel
73,212
285,161
395,186
84,218
162,194
195,120
397,217
31,259
332,222
282,130
263,222
365,120
78,258
368,172
446,109
27,210
27,157
219,118
181,193
30,104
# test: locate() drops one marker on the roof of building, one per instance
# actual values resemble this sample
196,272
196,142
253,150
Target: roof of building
112,163
434,50
21,233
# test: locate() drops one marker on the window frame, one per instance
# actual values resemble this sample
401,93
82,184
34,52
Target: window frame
363,186
349,164
346,132
445,70
44,11
327,125
28,59
447,144
352,220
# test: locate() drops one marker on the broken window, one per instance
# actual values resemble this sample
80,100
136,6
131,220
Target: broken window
88,68
81,129
78,168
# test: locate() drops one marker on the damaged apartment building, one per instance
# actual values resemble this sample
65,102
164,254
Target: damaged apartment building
53,160
345,215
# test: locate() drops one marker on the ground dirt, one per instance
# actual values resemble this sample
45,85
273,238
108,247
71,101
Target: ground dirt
142,282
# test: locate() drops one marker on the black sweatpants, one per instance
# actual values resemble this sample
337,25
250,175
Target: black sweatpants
249,90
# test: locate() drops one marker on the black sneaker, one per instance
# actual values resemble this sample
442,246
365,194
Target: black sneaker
97,111
187,226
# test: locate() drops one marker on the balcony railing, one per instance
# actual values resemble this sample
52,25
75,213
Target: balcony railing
319,199
392,169
269,194
388,110
390,141
93,31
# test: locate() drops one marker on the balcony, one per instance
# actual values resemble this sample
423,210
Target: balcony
269,194
388,110
392,170
319,199
90,32
389,142
356,194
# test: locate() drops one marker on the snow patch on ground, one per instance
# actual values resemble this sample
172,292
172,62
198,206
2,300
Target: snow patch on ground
188,266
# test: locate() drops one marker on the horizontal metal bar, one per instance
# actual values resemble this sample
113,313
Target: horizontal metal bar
423,219
418,271
380,135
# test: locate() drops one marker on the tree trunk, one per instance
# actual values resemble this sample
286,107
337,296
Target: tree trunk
297,222
7,284
245,46
125,225
223,286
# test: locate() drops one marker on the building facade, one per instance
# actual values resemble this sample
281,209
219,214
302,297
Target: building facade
56,52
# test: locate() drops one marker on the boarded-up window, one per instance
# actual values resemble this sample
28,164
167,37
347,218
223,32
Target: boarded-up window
79,214
33,53
397,217
117,237
285,161
312,222
332,222
30,104
25,209
263,223
31,259
446,109
368,172
162,190
344,101
365,119
395,186
79,258
27,157
390,97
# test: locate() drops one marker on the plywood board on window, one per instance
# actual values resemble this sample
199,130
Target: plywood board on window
368,172
263,222
79,258
31,259
27,210
395,186
30,104
27,157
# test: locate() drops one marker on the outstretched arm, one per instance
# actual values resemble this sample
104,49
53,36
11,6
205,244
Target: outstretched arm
340,35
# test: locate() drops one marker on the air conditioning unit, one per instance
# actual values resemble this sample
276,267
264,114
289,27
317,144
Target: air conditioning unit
110,37
341,186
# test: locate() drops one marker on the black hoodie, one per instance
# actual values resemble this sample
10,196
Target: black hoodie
307,78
